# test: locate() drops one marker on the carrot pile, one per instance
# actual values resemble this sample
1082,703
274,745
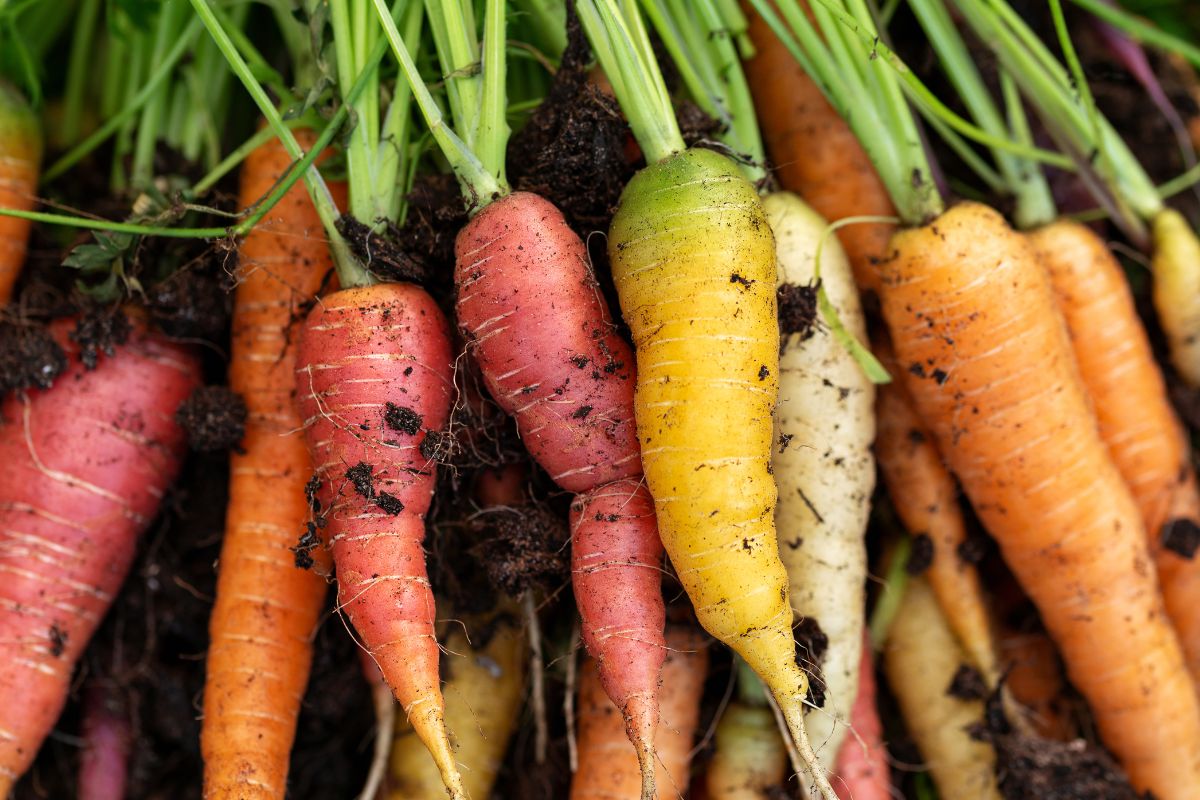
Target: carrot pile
846,456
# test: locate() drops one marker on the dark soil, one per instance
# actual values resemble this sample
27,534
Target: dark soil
100,330
811,644
967,684
214,418
29,356
1181,537
522,548
383,254
193,302
798,309
573,149
920,557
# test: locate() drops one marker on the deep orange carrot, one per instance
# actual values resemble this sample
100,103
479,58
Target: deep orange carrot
989,365
1034,677
1137,422
608,764
20,158
815,153
926,500
266,607
85,465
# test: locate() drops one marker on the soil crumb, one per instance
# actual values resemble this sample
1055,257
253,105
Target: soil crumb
1182,537
521,548
382,253
811,644
214,418
798,309
100,331
920,557
573,149
190,304
29,357
967,684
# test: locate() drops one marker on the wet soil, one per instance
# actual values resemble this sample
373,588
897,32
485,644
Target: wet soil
214,418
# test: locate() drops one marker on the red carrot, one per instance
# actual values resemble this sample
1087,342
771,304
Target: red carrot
86,464
862,769
374,377
107,742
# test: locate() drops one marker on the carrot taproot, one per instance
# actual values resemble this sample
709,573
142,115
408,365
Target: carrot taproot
920,659
862,770
815,153
374,376
750,762
823,466
1136,419
609,767
925,498
1176,292
107,744
989,366
86,465
266,608
484,684
20,160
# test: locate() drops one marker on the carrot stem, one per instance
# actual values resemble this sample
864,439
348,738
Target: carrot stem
1141,30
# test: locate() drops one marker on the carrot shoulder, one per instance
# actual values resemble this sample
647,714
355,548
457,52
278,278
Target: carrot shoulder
266,608
20,157
86,464
989,365
815,153
1129,395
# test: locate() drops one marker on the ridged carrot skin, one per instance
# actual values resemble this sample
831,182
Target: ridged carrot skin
550,355
1129,395
920,660
266,608
374,375
925,498
616,567
608,764
86,465
1176,267
693,258
545,343
814,152
750,762
483,689
990,369
20,162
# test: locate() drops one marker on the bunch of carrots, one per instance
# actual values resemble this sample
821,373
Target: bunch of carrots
598,399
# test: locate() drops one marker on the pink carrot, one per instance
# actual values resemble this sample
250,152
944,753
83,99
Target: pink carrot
107,742
550,356
85,466
862,769
374,377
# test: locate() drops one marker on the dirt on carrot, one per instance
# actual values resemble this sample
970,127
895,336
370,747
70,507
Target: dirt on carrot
214,418
797,310
29,356
195,302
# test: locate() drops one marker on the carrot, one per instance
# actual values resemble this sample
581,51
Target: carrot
1176,267
974,325
485,680
20,158
824,424
925,497
751,760
86,464
1033,675
815,153
261,640
920,660
608,764
693,260
374,377
1137,422
107,744
862,768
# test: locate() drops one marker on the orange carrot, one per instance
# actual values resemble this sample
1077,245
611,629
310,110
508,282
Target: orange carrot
267,607
815,153
608,764
20,158
1033,676
1129,395
989,365
85,465
926,500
